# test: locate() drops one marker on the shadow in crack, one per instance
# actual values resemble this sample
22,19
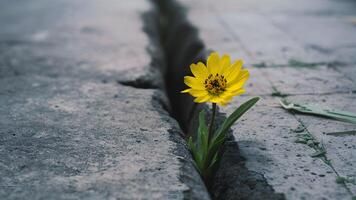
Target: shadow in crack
181,47
234,181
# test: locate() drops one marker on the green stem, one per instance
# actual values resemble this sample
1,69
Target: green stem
211,126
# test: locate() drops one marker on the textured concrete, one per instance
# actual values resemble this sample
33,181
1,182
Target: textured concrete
275,31
303,50
99,39
268,144
70,128
341,149
83,114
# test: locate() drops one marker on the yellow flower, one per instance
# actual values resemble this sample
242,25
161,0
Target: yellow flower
217,82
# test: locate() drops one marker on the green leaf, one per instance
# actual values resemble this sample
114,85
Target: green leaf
317,110
277,93
212,164
301,140
192,147
214,160
205,152
203,133
215,145
299,129
342,133
195,153
235,116
343,180
319,153
219,137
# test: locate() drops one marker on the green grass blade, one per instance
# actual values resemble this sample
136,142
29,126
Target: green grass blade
235,116
317,110
203,133
342,133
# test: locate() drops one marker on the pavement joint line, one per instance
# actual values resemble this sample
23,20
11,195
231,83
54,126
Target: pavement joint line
232,33
352,79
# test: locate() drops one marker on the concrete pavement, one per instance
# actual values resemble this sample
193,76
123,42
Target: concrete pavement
303,51
90,103
82,115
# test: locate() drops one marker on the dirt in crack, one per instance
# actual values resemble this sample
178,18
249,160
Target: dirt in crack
181,46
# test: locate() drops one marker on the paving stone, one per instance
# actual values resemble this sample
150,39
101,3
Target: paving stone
341,149
268,144
89,42
69,127
275,32
258,83
303,80
70,131
97,141
349,72
297,48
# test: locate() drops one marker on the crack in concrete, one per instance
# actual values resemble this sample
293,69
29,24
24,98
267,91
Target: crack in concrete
182,46
153,20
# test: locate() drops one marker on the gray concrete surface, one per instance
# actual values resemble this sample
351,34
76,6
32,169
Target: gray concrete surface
74,123
83,113
275,31
304,50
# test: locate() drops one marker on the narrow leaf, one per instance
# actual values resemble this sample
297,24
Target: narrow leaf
214,161
342,133
203,133
235,116
316,110
319,153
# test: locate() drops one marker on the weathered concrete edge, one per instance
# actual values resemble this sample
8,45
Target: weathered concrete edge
183,46
188,173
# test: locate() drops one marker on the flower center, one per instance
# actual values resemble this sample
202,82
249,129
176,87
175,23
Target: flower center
215,84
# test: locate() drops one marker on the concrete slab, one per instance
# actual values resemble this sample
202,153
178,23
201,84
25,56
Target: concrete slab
75,139
268,144
69,127
296,48
103,40
275,32
308,80
341,149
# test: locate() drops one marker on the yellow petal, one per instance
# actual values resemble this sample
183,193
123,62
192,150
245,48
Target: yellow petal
226,96
215,99
198,93
234,70
225,101
186,90
238,92
213,63
202,99
193,82
224,64
239,80
199,70
237,86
